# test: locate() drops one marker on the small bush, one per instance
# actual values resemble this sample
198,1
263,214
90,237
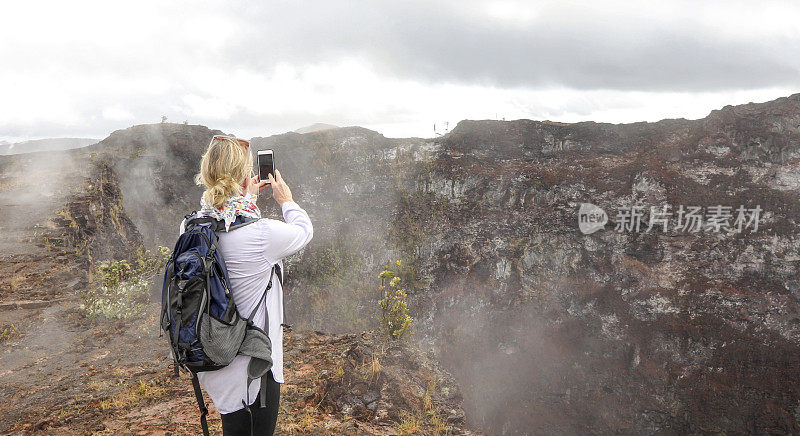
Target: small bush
8,332
394,318
409,424
123,288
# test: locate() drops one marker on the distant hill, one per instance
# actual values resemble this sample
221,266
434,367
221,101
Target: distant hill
316,127
45,145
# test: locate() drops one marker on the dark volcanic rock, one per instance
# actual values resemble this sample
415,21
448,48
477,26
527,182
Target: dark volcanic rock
381,383
155,165
545,329
550,330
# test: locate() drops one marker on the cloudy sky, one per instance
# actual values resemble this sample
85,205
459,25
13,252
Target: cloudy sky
85,68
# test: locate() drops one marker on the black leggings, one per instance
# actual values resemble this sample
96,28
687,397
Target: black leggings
264,420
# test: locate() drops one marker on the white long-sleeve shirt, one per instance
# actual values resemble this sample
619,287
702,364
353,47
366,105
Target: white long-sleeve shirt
249,253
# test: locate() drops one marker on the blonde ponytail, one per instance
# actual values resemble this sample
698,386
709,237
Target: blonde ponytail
224,166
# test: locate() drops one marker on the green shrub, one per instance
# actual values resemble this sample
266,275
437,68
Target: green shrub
8,331
394,318
122,290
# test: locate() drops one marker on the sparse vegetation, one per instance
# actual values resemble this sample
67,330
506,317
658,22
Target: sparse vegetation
418,211
302,421
122,288
8,332
426,419
371,369
339,373
16,281
394,318
435,420
134,395
409,424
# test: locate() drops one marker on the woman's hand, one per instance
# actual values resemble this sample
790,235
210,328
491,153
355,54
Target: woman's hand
280,191
252,186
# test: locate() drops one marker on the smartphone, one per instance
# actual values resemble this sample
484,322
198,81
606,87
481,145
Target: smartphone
266,165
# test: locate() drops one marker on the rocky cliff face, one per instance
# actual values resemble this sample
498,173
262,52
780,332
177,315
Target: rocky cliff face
621,331
550,330
155,166
546,329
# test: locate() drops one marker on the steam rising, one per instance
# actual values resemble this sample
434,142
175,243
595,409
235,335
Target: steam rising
546,330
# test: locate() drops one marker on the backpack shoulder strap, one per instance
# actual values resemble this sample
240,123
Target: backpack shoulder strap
263,300
236,226
216,225
285,324
192,219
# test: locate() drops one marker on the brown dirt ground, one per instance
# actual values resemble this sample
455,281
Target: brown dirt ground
64,374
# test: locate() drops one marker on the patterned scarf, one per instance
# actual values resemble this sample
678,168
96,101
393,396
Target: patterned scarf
234,205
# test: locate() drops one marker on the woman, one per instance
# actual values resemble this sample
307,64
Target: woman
249,252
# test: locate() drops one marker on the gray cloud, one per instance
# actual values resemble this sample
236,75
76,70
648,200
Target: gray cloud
66,69
566,45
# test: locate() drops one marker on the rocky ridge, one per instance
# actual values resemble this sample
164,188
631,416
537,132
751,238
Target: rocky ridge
65,374
636,332
545,329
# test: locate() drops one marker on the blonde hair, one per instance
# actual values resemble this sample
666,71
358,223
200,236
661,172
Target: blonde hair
224,166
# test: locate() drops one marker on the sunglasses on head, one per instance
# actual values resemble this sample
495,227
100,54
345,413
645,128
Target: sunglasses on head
246,144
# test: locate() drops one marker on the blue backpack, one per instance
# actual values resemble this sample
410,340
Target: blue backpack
198,314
